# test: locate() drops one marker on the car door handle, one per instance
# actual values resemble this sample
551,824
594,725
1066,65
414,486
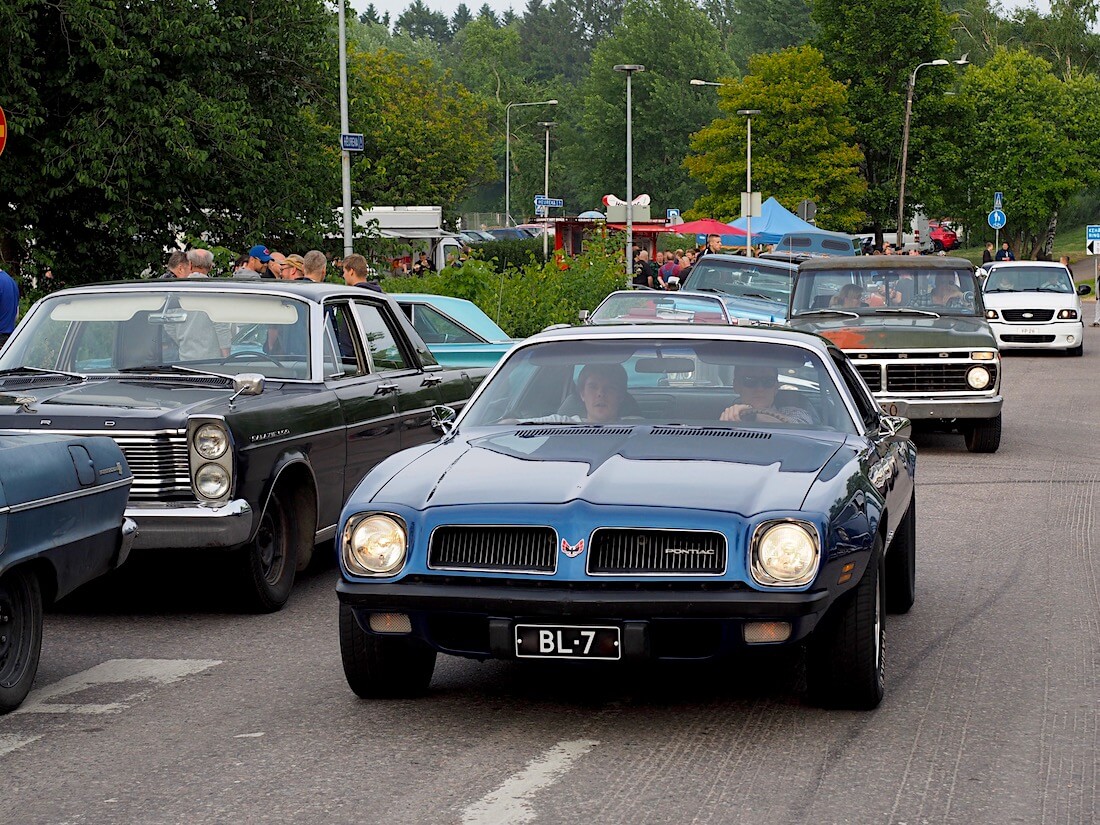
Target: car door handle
386,389
431,380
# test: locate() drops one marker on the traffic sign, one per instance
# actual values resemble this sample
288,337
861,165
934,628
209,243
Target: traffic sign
1093,247
542,212
3,131
998,201
552,203
671,214
1092,232
997,219
352,142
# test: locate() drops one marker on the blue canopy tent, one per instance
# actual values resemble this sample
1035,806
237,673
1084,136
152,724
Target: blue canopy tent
774,222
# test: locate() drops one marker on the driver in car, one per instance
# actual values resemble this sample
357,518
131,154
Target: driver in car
756,387
946,293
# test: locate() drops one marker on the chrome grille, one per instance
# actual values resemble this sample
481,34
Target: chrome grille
1016,316
627,551
933,377
513,549
159,464
872,374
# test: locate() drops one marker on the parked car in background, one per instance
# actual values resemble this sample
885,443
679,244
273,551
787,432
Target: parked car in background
1035,304
942,236
597,501
754,289
61,525
647,306
456,331
474,237
510,233
248,410
915,329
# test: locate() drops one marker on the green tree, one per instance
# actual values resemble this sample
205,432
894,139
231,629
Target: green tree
1030,135
875,59
134,124
461,18
673,39
487,15
1065,37
802,142
749,27
419,21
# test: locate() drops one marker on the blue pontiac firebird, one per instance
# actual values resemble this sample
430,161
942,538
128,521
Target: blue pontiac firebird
618,493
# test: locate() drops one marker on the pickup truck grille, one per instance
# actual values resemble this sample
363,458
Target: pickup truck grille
920,378
1016,316
872,374
666,552
160,466
511,549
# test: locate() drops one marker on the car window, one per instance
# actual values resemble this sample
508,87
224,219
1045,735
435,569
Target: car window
1029,279
436,328
664,382
868,409
343,355
385,353
743,280
869,291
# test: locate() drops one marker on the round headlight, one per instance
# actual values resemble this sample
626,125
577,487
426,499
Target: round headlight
212,481
211,441
375,545
785,554
991,314
978,378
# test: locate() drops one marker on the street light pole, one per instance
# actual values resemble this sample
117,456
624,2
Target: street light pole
345,156
748,113
629,69
962,61
508,154
546,190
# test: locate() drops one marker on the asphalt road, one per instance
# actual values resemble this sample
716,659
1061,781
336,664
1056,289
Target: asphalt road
156,704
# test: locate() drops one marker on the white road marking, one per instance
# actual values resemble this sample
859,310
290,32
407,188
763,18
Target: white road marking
113,671
510,804
10,742
256,735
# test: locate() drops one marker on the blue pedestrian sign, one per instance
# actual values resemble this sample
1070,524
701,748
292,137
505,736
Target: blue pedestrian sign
552,203
997,219
671,213
351,142
998,201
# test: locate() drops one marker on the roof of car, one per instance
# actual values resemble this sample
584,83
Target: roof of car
649,331
886,262
740,259
1009,264
304,289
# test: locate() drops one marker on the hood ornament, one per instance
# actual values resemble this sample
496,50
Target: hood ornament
26,402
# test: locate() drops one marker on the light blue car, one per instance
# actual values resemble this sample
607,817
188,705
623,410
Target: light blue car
753,289
456,331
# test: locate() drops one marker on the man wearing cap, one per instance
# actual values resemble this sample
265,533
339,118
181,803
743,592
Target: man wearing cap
294,268
258,256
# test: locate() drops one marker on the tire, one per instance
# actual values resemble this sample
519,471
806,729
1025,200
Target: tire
846,661
983,435
20,636
269,562
1076,352
383,667
901,563
937,245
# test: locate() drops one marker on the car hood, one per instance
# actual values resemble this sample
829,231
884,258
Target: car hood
900,332
1031,300
754,309
138,402
707,468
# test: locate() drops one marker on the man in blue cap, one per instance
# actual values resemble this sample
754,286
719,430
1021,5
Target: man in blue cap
258,256
9,305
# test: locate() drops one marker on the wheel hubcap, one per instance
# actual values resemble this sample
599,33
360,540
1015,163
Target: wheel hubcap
271,548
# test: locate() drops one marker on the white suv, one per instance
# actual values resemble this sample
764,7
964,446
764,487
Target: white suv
1034,304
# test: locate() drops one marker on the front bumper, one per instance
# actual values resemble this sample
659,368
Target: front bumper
478,620
924,409
1054,335
191,525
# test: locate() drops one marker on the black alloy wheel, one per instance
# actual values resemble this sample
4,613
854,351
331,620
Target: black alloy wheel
20,636
270,560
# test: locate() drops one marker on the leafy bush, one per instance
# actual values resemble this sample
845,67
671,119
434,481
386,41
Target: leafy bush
506,253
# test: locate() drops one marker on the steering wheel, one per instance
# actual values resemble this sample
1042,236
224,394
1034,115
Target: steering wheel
254,355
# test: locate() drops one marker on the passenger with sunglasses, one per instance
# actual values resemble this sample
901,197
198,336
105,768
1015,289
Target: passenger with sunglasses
756,387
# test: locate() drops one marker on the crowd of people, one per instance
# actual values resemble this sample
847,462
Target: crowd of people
668,270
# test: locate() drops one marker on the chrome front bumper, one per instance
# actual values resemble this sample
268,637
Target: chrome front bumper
924,409
191,525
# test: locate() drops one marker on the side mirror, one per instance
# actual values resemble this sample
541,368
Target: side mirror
1083,289
582,316
247,383
443,418
894,427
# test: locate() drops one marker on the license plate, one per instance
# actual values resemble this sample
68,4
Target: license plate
1027,330
536,641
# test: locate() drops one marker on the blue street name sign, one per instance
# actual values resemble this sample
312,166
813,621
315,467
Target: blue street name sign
1092,232
553,203
998,201
351,142
997,219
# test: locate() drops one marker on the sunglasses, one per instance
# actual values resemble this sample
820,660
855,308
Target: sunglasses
756,381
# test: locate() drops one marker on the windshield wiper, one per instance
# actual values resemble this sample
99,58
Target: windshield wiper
907,311
37,371
761,297
1001,289
829,312
1051,289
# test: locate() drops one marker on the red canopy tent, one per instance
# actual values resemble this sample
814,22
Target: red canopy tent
706,226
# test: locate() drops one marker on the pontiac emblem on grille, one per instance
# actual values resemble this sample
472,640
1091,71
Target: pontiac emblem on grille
572,550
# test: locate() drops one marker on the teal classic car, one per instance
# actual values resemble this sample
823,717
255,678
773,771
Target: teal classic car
456,331
61,525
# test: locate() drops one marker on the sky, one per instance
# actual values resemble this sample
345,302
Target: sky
395,7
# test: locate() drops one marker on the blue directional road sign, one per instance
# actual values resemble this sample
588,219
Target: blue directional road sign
552,203
351,142
997,219
998,200
1092,239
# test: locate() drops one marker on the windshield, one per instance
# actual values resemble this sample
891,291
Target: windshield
1029,279
712,383
650,306
149,331
743,280
886,291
